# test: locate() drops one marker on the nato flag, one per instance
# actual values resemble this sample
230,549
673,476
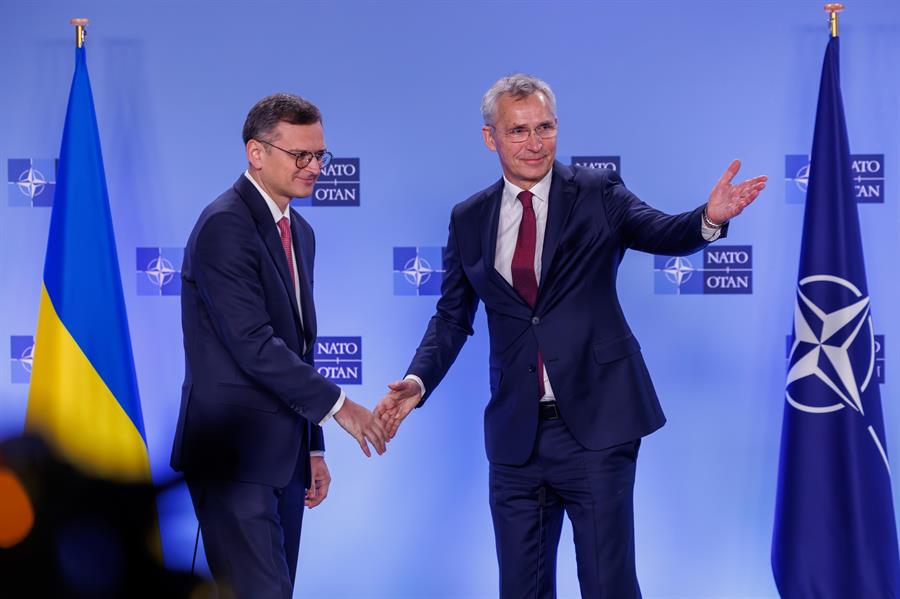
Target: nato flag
835,534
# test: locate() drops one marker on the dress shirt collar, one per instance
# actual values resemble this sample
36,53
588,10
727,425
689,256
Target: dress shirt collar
277,214
541,189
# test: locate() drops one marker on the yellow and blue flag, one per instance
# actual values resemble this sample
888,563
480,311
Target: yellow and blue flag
835,534
84,394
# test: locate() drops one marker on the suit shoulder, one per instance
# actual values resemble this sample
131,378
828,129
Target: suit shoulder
472,206
595,178
228,207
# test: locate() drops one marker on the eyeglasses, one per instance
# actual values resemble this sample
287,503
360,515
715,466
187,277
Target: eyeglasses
323,157
520,134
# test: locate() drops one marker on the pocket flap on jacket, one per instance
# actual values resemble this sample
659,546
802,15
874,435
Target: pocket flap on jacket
247,396
615,349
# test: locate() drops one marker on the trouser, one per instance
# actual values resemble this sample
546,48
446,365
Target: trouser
251,534
594,488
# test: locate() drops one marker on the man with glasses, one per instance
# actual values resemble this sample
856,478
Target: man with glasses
249,437
570,394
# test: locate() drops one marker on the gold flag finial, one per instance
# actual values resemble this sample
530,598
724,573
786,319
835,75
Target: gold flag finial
833,8
80,33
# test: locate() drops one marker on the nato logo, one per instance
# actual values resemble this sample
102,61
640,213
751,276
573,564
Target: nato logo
418,270
31,182
338,185
339,359
610,162
867,173
719,270
159,271
21,357
833,350
878,364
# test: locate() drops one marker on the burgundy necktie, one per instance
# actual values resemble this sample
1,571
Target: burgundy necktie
284,226
524,280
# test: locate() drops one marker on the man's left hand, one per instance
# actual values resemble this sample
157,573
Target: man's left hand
726,200
321,479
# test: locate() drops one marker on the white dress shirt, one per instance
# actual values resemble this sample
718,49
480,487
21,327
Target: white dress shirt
277,215
508,233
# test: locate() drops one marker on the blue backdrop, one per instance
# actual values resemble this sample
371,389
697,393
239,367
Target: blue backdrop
669,91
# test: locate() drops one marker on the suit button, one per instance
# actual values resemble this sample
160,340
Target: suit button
535,320
532,368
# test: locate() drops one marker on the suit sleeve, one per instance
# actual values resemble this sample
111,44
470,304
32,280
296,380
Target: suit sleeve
225,268
451,324
316,438
642,227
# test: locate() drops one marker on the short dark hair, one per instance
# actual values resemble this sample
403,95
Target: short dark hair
268,112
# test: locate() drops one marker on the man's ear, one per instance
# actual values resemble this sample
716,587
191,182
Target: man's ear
488,133
254,153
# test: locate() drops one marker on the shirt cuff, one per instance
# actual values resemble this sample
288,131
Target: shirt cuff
319,453
412,377
708,233
334,410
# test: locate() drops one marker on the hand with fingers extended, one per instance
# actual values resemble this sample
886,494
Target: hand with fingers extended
320,481
727,200
362,426
397,404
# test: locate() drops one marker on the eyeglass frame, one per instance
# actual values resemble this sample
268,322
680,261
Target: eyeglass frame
305,154
531,131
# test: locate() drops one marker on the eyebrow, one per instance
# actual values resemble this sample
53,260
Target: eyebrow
516,125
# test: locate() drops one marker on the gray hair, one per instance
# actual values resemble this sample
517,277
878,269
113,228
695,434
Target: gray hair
518,85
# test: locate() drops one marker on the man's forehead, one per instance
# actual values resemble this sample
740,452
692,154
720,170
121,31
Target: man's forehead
299,134
523,107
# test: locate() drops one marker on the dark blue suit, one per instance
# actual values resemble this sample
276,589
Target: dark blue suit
250,394
604,392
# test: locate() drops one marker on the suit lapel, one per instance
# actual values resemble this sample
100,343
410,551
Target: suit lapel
490,223
302,251
268,231
561,201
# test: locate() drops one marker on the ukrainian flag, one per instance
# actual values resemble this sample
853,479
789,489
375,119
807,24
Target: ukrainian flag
84,395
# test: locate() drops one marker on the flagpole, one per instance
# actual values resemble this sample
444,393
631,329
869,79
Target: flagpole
833,8
80,33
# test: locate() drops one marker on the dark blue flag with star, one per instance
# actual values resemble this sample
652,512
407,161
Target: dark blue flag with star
835,535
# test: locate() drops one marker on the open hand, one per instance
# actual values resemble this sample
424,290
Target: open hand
397,404
726,200
362,426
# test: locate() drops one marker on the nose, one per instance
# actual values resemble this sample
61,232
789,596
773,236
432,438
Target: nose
534,141
313,166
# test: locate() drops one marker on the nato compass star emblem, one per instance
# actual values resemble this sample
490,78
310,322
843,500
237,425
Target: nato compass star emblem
801,178
160,271
678,270
32,183
21,354
824,344
157,270
417,271
27,358
832,357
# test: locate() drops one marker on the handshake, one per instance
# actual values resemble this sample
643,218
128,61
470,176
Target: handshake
379,428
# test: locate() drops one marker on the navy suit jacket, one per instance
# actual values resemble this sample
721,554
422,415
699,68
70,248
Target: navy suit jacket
250,393
601,383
